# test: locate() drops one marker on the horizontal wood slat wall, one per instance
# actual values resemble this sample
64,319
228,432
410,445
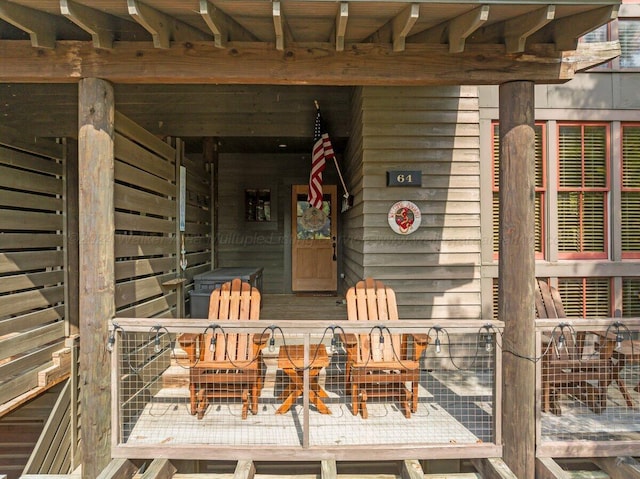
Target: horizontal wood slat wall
32,278
145,220
435,271
145,201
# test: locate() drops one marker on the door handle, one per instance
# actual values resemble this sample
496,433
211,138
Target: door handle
335,258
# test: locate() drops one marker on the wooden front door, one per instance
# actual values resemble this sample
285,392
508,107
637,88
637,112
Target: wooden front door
313,247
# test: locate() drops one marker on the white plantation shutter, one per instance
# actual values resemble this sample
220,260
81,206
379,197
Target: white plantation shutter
586,297
631,297
582,190
630,207
540,187
629,37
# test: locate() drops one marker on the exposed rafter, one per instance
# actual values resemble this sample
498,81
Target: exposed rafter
454,32
567,30
517,30
402,25
341,25
278,22
156,23
98,24
217,21
39,25
162,27
223,27
463,26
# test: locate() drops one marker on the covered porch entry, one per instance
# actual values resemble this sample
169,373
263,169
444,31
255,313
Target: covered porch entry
427,49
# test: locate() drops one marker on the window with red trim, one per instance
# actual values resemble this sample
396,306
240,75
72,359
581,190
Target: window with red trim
583,190
540,187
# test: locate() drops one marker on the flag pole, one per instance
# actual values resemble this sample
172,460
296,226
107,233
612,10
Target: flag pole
335,162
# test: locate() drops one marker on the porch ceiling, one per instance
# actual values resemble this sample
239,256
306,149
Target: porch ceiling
321,42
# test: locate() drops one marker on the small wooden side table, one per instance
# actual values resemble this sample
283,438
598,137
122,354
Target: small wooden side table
291,361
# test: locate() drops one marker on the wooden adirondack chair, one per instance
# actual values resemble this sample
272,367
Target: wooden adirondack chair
233,369
565,369
375,369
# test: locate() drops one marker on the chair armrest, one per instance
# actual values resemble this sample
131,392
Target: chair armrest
349,339
188,342
421,338
420,342
260,339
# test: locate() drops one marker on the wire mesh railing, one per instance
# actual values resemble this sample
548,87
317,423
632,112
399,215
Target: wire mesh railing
259,385
589,385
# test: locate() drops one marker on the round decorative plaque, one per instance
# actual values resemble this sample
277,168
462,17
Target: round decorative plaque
404,217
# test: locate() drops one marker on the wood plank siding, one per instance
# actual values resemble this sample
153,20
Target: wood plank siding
435,270
32,261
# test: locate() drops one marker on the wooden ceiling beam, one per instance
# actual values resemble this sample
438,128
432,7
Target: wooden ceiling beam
463,26
163,28
303,64
402,24
39,25
99,25
341,25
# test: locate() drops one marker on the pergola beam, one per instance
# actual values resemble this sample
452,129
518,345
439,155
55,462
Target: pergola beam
402,24
39,25
341,25
320,64
98,24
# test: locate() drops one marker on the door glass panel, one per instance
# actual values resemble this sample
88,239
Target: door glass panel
312,223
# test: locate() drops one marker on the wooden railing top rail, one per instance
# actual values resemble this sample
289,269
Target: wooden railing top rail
181,325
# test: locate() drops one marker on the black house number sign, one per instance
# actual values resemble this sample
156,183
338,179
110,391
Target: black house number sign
404,178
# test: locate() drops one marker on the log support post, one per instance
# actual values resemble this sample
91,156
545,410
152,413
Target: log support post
516,274
96,261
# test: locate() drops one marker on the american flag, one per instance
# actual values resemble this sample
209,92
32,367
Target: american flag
322,151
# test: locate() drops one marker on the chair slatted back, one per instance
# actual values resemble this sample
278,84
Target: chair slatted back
232,301
372,301
549,306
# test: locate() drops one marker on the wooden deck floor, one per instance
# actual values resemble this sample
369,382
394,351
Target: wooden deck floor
308,306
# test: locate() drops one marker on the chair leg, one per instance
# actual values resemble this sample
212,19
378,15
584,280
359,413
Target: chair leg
363,405
192,398
245,403
405,397
354,399
414,396
202,403
254,399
